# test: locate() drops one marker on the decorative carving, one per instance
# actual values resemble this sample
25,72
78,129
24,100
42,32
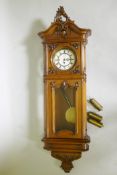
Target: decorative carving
63,30
60,14
52,84
76,45
51,70
76,85
64,27
62,19
64,84
84,43
66,159
52,46
76,70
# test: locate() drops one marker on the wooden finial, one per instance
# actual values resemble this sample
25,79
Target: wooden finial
60,14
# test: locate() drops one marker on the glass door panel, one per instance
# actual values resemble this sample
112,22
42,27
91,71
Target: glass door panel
65,111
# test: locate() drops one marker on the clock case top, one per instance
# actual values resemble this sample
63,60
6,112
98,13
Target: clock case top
64,33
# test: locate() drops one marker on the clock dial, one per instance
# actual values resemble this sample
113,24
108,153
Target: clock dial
64,59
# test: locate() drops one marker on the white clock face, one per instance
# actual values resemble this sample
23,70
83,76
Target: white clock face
64,59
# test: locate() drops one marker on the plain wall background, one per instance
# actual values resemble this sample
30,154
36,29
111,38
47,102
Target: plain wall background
21,85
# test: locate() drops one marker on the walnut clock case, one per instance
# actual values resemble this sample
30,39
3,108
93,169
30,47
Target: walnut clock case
65,89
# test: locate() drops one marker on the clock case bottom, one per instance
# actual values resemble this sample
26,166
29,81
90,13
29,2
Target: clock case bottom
66,149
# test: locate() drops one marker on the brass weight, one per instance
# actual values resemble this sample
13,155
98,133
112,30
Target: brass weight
94,122
95,119
94,116
95,104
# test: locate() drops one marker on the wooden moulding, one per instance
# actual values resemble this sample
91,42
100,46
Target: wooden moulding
66,150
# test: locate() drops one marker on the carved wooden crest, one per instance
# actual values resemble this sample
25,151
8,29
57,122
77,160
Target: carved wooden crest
60,14
63,28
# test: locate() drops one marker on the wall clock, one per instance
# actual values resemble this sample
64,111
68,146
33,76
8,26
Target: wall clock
65,89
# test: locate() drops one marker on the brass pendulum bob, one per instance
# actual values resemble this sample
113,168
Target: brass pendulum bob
70,113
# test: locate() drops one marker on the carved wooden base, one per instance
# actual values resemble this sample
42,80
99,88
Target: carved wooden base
66,149
66,159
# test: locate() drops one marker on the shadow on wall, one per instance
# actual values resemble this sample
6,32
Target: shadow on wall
26,161
35,82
